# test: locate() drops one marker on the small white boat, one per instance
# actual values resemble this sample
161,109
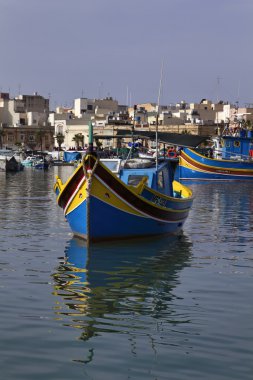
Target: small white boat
29,161
38,162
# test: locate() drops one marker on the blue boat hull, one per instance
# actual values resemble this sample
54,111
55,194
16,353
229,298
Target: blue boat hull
99,206
193,165
100,224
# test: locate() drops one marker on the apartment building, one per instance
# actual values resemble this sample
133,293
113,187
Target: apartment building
74,122
85,106
24,122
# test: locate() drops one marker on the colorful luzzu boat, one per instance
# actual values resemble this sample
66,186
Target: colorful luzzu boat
235,162
108,199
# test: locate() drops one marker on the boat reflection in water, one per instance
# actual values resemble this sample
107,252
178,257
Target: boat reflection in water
106,287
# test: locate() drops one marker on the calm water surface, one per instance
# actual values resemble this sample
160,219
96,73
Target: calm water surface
171,308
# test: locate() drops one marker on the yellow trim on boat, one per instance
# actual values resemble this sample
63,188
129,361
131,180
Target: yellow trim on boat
78,197
61,186
140,187
125,206
184,191
102,192
58,184
212,166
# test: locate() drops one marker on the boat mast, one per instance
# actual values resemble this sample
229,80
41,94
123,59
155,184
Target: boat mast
133,129
90,142
157,115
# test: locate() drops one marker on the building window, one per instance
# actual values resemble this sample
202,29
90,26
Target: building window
90,107
60,128
31,138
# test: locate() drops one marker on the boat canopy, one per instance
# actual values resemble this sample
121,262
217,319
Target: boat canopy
71,156
184,140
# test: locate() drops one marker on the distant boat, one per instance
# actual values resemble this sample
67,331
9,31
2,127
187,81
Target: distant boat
42,164
103,200
37,162
29,161
8,161
235,160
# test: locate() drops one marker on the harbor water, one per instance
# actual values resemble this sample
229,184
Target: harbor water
174,308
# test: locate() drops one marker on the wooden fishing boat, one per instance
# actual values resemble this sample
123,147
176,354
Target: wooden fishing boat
103,200
101,203
235,162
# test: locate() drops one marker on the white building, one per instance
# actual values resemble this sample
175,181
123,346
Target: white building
84,106
22,118
71,127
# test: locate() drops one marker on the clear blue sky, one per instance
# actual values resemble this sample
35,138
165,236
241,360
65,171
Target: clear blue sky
96,48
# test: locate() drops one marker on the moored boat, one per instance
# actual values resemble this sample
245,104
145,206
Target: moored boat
42,164
37,162
235,161
106,199
29,161
8,161
103,200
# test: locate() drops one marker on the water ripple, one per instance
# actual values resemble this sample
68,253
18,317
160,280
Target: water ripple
178,306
